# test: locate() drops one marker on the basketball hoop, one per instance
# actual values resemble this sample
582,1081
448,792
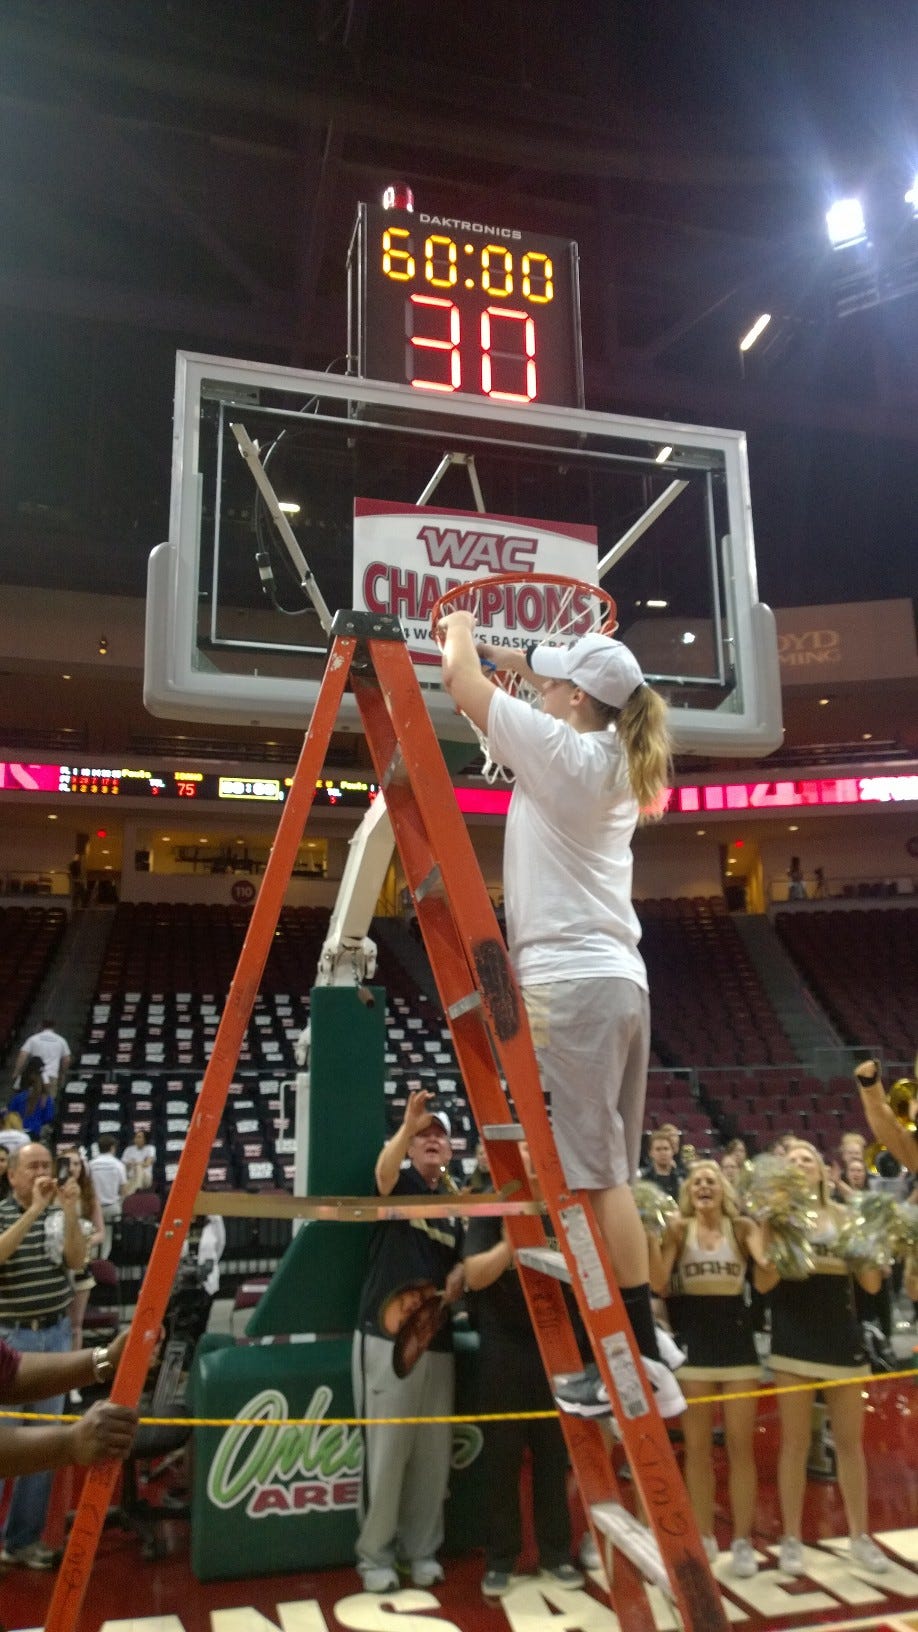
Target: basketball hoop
517,607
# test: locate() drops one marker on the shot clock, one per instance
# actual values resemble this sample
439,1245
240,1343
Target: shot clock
447,305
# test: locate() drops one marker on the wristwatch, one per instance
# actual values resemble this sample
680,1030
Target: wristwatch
102,1367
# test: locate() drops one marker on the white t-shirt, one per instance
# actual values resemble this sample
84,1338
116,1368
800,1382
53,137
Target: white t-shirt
51,1049
135,1156
108,1175
567,848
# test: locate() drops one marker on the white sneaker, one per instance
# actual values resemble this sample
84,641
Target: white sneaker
666,1391
743,1561
864,1551
426,1572
709,1543
584,1393
790,1556
669,1350
383,1579
589,1553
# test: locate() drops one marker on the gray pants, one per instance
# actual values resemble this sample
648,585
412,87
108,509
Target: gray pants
405,1470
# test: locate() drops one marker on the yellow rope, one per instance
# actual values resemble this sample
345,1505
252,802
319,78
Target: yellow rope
811,1385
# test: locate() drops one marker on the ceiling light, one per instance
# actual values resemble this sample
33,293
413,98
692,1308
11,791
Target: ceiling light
65,677
289,507
794,827
845,223
823,702
658,605
867,736
51,816
103,646
663,455
166,838
700,832
687,638
752,335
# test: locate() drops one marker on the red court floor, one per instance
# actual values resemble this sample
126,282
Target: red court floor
126,1593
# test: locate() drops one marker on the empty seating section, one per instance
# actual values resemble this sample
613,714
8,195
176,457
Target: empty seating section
720,1065
29,938
176,947
762,1104
862,964
708,1005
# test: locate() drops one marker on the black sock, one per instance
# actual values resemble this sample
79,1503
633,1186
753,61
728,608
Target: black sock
637,1307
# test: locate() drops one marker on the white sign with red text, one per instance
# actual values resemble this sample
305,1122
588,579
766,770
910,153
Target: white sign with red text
407,556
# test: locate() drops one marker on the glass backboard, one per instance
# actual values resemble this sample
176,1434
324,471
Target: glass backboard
233,635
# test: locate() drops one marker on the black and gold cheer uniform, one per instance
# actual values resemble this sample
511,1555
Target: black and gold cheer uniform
709,1310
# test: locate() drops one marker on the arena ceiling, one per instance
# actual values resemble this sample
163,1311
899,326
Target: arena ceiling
184,174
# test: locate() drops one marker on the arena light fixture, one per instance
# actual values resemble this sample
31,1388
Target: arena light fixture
751,336
663,455
845,223
289,507
658,606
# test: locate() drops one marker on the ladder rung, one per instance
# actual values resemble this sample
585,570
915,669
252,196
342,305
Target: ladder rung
544,1259
510,1131
634,1540
464,1005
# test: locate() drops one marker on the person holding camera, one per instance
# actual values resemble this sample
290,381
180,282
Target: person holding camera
41,1242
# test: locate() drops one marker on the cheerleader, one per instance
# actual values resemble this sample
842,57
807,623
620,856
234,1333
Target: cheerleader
703,1256
815,1335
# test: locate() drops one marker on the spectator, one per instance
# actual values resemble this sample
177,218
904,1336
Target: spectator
109,1175
54,1052
94,1231
138,1159
40,1242
730,1166
32,1101
512,1378
4,1172
661,1165
12,1134
102,1434
675,1139
796,887
406,1468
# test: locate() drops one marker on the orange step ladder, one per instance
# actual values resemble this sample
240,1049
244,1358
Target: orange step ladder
492,1042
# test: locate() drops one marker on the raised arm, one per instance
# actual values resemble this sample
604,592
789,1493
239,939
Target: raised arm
883,1124
395,1150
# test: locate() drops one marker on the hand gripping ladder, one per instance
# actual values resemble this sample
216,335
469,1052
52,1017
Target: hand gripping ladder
492,1043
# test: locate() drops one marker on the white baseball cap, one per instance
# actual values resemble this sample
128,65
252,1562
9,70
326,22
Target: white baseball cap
443,1119
605,668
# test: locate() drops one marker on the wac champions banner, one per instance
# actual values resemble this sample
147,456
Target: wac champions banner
407,556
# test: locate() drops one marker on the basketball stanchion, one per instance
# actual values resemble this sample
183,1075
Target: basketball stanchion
99,1483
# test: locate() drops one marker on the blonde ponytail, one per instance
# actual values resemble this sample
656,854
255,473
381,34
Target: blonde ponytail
643,730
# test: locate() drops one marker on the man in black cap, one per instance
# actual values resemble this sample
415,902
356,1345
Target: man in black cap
406,1468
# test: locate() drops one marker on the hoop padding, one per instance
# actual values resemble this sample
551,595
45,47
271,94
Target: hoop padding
573,608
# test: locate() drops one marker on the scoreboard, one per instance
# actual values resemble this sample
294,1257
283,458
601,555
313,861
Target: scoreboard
446,305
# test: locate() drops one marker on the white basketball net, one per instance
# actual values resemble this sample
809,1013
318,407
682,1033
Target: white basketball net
573,608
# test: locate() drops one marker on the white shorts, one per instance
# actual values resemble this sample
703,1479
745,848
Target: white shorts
592,1046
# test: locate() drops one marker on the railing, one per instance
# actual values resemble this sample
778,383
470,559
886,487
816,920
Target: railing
841,891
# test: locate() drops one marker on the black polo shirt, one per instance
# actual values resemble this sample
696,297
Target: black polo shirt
403,1252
